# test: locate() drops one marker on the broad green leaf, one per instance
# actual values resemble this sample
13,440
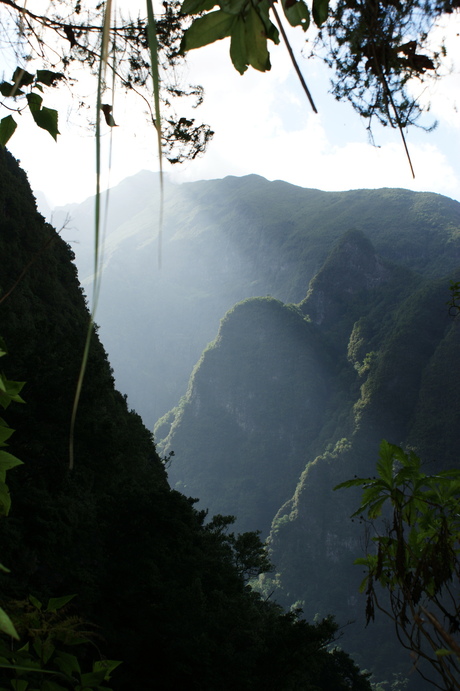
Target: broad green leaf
205,30
47,119
196,6
7,626
8,461
233,6
56,603
297,13
13,388
443,651
7,128
48,77
35,102
19,684
22,77
263,8
238,52
8,90
67,663
256,41
44,649
320,11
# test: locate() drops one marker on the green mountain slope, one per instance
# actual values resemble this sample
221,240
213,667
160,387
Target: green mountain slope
224,241
162,591
283,419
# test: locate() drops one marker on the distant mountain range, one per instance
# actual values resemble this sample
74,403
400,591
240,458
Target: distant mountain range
224,241
334,333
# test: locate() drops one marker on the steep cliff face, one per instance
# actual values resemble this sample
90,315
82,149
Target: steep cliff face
266,361
373,350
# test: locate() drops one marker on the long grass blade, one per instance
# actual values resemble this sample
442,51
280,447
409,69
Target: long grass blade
105,45
154,66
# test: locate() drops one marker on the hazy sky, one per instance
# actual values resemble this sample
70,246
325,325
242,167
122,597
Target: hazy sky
263,125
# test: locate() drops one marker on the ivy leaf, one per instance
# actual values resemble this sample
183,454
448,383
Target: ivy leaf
7,128
205,30
297,13
320,11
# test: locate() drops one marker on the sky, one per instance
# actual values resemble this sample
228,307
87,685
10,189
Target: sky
263,124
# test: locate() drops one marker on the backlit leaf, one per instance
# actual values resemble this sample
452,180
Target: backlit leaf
297,13
7,128
320,11
205,30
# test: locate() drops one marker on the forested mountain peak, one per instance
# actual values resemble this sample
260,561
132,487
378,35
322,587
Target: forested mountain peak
162,591
352,267
225,241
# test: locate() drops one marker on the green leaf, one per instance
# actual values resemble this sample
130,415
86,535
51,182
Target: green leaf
7,128
36,603
297,13
19,684
106,666
5,433
67,663
8,461
91,679
233,6
56,603
35,102
443,651
320,11
8,90
49,78
5,499
208,29
47,119
22,77
238,52
256,42
197,6
7,626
